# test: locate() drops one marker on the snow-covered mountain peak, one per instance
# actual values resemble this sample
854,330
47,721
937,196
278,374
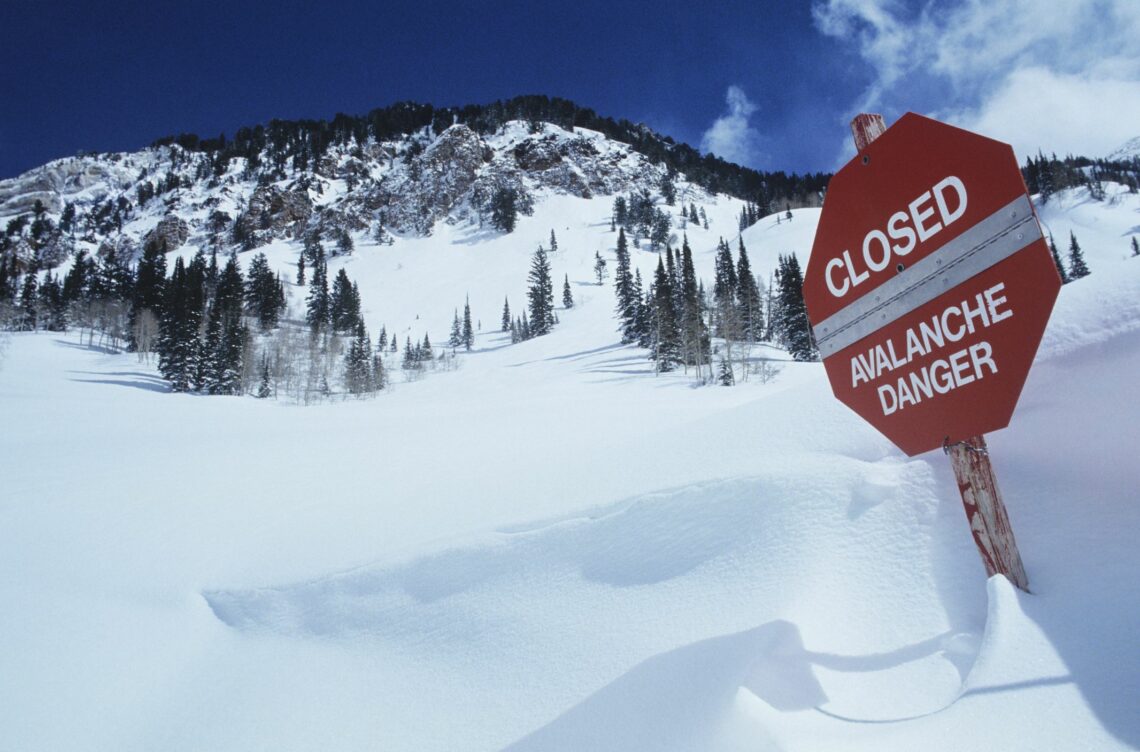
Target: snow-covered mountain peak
1130,149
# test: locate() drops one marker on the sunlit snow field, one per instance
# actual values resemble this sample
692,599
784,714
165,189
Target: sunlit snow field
551,548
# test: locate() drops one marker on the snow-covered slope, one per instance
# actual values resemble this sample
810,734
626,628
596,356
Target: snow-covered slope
552,548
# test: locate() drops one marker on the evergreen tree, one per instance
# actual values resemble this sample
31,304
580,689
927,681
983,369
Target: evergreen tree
264,298
553,242
725,377
231,352
794,326
504,209
358,374
468,334
410,359
600,266
207,376
748,301
1135,247
29,302
506,323
540,295
318,308
659,229
178,350
76,284
667,336
567,296
344,304
263,390
230,291
620,214
642,312
1057,261
379,373
668,187
694,333
51,306
426,353
1077,266
627,300
456,338
150,282
725,285
301,268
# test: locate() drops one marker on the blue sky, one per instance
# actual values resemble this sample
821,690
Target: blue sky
769,84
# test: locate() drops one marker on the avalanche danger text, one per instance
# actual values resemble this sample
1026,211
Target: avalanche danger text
971,363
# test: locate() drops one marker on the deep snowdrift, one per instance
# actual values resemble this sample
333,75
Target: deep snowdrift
553,549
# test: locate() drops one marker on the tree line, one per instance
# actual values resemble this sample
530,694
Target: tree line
675,318
300,144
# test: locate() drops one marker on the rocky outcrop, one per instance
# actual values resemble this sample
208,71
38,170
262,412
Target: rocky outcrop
169,234
46,184
435,181
274,213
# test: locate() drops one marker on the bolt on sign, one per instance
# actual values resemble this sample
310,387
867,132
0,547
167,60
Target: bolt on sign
929,284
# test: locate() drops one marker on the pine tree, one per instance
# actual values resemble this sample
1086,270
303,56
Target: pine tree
178,350
726,377
358,375
600,266
794,325
540,295
667,345
263,390
1057,261
1077,266
504,209
1135,247
264,299
51,306
506,322
379,373
724,293
456,338
567,296
30,301
627,300
468,329
344,304
410,359
694,334
301,268
553,242
426,352
748,299
317,309
620,215
150,282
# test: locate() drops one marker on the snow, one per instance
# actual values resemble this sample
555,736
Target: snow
551,548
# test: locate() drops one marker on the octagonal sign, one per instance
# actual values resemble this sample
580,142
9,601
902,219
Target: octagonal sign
929,284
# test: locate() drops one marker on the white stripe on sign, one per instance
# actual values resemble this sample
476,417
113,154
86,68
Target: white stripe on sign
995,238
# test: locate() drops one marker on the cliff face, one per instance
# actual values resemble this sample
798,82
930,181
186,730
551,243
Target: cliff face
168,195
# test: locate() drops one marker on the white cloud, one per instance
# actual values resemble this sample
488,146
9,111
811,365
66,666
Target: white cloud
1062,76
730,136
